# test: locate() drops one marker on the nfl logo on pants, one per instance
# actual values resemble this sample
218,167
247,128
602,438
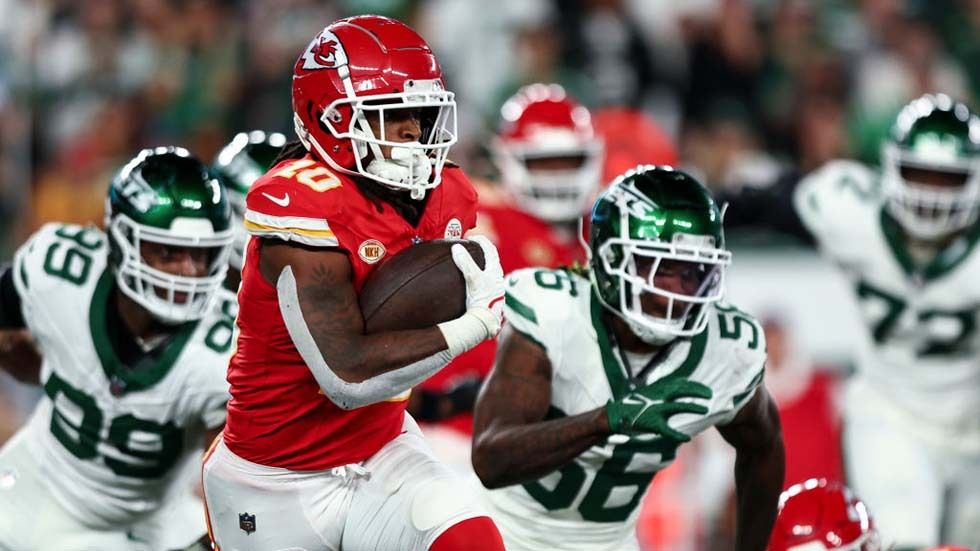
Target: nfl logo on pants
246,522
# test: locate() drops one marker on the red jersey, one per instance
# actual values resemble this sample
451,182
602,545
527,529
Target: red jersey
277,415
522,241
812,431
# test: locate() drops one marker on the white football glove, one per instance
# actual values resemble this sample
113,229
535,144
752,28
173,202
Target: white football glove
484,295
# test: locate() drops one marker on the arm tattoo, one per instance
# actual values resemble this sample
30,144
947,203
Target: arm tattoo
333,316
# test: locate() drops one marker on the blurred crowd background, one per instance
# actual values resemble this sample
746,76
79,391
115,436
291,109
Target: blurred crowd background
749,90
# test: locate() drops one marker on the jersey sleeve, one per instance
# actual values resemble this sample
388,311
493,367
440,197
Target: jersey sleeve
214,404
833,199
293,202
520,310
56,256
210,384
746,353
538,303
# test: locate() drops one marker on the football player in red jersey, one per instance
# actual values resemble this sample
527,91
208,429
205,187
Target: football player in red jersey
318,452
550,163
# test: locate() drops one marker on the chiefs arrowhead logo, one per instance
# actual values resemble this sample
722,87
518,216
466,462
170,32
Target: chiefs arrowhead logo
324,52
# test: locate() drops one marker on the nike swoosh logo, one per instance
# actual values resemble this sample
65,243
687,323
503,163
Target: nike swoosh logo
282,202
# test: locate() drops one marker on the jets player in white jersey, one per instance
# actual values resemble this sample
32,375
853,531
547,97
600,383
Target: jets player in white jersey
135,335
906,239
600,377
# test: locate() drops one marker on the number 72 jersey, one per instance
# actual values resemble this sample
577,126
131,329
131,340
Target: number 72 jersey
921,352
593,502
112,440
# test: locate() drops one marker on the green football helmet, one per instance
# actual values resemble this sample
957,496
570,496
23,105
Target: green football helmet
653,228
247,157
166,196
939,136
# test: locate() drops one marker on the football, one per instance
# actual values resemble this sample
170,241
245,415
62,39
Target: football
416,288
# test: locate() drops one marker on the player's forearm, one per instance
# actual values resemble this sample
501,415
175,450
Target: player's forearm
758,481
513,454
366,356
326,326
19,357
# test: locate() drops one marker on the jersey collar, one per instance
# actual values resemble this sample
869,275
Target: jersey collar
944,262
152,367
616,373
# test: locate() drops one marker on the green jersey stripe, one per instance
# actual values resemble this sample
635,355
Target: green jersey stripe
520,308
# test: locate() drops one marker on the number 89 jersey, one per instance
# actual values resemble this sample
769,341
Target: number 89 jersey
921,354
111,441
592,503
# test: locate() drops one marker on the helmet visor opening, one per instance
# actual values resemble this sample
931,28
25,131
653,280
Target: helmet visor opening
940,179
666,286
401,118
554,163
174,277
183,261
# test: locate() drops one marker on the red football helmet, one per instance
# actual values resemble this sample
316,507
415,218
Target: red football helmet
367,68
547,152
817,515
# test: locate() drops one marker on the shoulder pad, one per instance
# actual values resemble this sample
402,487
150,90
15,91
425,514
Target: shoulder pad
294,201
59,252
538,298
838,193
741,341
455,180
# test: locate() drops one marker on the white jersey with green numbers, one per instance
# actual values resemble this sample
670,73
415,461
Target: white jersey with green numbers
921,350
113,442
592,503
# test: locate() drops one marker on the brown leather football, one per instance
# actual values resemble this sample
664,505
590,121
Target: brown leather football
416,288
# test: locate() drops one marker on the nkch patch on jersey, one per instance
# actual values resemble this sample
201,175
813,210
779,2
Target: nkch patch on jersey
371,251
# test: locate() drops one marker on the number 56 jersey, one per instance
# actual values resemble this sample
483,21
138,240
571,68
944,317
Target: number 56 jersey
592,503
920,357
113,442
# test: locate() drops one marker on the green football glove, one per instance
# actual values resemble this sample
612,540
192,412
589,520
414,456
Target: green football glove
649,408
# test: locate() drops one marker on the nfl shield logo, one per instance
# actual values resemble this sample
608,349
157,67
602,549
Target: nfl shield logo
246,522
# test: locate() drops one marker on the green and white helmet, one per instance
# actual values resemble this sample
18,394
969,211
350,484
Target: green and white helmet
239,164
166,196
933,133
651,221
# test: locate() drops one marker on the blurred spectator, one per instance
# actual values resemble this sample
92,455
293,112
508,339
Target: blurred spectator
726,149
908,63
725,61
602,40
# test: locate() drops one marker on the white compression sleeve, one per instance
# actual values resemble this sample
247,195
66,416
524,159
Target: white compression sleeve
345,394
